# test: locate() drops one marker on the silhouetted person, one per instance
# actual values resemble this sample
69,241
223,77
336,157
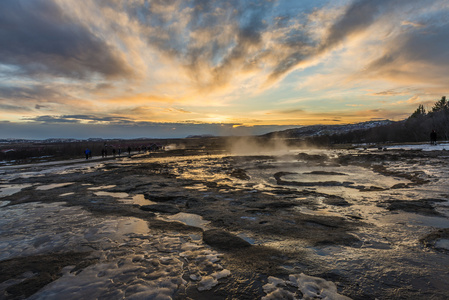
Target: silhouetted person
433,137
87,152
129,150
113,152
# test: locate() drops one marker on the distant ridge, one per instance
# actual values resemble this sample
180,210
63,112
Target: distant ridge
321,130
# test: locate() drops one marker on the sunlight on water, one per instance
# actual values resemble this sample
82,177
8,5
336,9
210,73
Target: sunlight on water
67,194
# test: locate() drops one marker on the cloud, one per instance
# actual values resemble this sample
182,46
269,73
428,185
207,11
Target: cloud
355,18
15,108
39,38
180,110
128,61
36,97
91,119
291,111
414,56
52,119
31,92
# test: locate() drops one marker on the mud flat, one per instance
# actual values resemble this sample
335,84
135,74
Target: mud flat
299,225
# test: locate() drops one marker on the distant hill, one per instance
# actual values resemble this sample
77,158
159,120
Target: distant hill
326,130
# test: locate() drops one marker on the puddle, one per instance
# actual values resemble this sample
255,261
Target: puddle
189,219
11,189
4,203
415,219
52,186
111,194
139,200
126,198
131,226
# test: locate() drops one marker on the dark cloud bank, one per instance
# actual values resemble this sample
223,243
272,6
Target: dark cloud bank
39,38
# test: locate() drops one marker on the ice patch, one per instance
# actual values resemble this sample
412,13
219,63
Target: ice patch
208,282
310,287
442,244
423,147
133,262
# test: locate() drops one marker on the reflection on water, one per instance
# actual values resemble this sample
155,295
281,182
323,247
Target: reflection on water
139,200
112,194
125,197
127,226
189,219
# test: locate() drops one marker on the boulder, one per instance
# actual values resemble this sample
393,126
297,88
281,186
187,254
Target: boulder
223,240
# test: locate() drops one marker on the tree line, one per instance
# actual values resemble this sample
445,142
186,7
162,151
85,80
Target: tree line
416,128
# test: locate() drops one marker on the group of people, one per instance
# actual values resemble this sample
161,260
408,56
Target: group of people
104,152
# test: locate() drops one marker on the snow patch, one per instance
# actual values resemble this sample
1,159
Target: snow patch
442,244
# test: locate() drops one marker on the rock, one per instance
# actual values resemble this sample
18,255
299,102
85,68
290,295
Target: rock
240,174
422,206
223,240
336,201
275,205
164,208
325,173
164,198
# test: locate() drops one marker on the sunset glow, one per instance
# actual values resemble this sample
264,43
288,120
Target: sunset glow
129,68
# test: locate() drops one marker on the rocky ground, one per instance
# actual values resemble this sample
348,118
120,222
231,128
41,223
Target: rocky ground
347,223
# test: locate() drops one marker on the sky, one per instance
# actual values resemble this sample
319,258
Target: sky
173,68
